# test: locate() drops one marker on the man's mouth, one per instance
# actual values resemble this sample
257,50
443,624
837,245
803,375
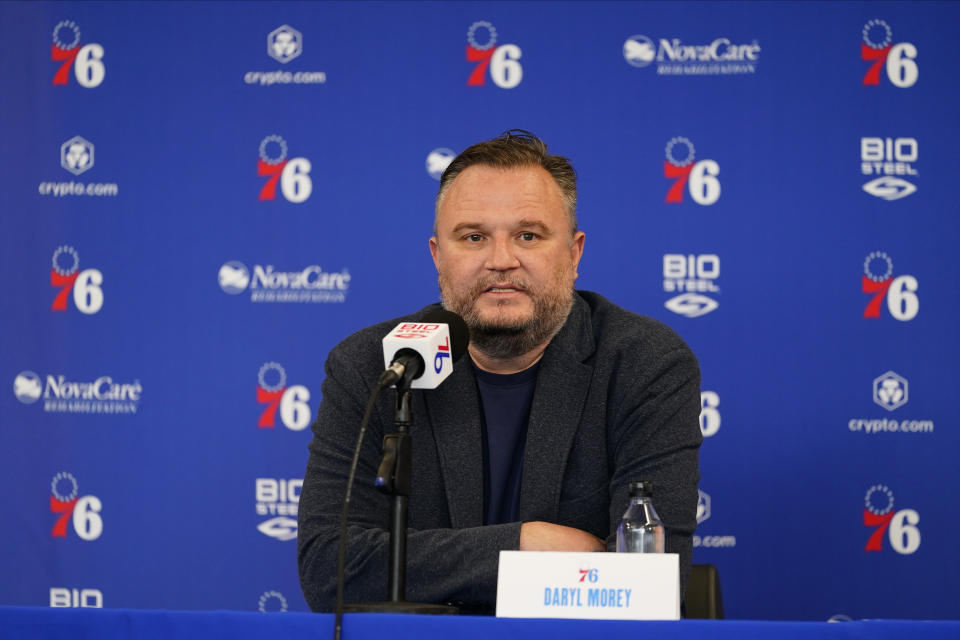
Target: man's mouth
503,288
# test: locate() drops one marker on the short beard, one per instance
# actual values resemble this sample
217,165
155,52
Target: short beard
504,340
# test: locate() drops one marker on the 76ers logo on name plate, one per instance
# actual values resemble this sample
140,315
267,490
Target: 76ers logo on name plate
272,390
900,525
85,285
700,178
82,512
293,174
85,60
899,60
502,61
900,292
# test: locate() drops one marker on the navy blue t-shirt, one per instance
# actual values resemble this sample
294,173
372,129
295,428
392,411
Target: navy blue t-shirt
506,401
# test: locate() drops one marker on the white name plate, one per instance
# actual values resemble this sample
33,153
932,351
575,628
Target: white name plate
600,586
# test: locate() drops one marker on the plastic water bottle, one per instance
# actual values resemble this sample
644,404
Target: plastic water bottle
640,530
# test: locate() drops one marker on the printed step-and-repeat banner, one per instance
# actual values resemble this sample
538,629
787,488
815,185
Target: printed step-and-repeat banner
200,199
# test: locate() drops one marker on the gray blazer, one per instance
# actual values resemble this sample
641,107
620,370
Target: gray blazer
617,399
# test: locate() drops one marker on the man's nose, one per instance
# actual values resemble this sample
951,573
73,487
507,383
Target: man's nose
501,256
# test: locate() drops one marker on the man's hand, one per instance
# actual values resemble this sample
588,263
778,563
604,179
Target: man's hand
544,536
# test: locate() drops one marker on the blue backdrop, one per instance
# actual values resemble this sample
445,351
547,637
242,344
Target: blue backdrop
199,200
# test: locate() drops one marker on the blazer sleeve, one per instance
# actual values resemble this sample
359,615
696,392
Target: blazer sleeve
655,435
444,565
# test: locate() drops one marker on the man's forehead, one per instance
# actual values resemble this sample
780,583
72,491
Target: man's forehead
478,186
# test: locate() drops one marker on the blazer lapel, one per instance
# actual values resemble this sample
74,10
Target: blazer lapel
453,409
562,385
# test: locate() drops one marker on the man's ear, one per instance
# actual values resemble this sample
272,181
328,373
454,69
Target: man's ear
576,249
435,251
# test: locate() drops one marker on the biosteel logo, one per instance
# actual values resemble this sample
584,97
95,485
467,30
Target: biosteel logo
696,275
892,159
278,497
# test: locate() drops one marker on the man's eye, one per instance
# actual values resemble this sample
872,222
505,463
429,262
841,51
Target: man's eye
474,237
528,236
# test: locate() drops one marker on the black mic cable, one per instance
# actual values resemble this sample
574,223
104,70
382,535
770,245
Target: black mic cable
386,379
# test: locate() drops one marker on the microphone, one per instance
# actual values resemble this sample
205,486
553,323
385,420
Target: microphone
420,355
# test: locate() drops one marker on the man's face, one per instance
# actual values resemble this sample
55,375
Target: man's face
506,256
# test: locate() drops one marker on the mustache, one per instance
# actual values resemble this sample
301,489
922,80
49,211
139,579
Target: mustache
486,283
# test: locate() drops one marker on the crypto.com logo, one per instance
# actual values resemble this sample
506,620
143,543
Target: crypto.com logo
272,390
899,525
505,70
84,512
694,274
86,60
900,292
704,511
898,59
438,160
284,44
293,174
703,506
76,155
85,285
891,391
700,178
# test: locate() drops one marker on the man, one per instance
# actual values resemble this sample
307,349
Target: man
532,441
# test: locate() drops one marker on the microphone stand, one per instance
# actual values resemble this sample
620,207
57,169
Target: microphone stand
393,479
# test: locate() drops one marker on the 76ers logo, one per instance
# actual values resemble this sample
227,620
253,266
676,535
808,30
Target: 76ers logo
84,512
273,391
505,70
899,59
899,525
293,174
66,275
900,292
700,178
86,60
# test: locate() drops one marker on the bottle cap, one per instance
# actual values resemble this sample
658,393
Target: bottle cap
643,488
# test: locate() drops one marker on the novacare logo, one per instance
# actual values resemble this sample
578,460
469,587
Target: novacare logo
60,395
310,284
719,57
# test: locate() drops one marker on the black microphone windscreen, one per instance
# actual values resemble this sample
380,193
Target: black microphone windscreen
459,334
